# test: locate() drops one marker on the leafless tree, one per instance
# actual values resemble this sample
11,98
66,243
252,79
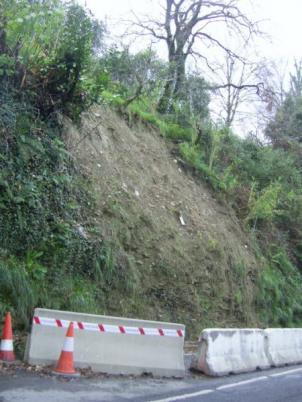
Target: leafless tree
273,74
188,27
237,86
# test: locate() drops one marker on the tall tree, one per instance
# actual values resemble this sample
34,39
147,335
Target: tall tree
186,26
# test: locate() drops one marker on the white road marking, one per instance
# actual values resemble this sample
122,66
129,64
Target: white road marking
184,396
222,387
238,384
286,372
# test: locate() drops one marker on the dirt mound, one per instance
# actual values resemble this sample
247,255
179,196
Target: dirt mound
183,255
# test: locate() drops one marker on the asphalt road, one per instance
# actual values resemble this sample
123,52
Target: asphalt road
280,385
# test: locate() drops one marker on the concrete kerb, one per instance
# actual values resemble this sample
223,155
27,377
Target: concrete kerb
109,352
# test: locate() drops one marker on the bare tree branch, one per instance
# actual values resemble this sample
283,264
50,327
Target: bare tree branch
238,82
184,29
257,87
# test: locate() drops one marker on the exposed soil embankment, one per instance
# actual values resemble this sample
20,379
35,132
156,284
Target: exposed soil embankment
183,256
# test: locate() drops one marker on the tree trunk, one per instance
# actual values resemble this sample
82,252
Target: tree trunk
174,85
180,77
165,100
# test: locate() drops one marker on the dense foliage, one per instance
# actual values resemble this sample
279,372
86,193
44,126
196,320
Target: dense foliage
50,253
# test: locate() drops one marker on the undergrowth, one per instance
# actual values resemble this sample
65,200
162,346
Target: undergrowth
50,252
280,297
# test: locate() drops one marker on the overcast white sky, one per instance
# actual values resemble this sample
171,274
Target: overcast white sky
281,21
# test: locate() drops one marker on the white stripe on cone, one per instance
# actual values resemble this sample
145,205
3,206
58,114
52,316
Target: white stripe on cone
68,344
6,345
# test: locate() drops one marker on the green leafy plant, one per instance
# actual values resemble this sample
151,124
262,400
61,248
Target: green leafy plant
280,297
265,207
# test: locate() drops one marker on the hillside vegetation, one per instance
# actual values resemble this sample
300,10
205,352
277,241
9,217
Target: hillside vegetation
110,206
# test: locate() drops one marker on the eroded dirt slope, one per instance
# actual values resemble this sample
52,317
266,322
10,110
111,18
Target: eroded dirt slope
182,255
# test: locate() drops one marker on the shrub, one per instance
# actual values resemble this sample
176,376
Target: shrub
280,298
192,154
264,207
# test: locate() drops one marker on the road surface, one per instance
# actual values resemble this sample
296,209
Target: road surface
279,385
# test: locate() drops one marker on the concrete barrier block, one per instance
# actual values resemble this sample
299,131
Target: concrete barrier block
284,346
109,344
224,351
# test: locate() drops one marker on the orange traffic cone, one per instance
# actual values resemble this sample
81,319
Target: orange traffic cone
65,365
6,347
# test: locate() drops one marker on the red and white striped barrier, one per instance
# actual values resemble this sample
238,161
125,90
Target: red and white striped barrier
113,329
114,345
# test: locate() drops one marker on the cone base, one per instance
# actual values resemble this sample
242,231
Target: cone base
6,356
68,375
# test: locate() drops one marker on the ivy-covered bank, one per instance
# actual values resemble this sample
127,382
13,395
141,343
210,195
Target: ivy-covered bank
50,253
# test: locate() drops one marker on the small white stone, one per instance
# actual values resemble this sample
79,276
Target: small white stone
182,220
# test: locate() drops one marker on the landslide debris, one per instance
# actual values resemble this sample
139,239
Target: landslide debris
182,255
